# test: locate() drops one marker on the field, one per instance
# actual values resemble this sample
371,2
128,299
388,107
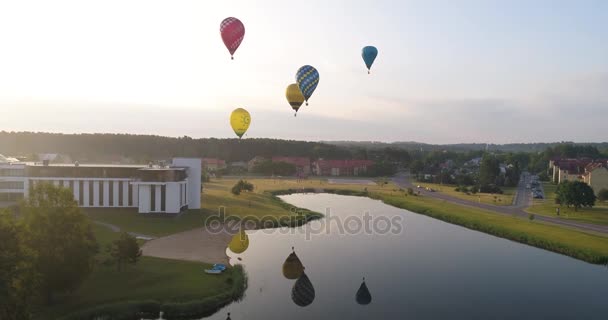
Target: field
547,206
505,199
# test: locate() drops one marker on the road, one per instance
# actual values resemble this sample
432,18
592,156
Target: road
521,202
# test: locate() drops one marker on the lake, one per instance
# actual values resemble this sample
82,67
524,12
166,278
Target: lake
429,270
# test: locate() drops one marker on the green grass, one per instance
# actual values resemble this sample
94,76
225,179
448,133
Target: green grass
156,279
547,206
152,225
505,199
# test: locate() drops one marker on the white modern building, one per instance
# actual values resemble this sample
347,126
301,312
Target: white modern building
151,189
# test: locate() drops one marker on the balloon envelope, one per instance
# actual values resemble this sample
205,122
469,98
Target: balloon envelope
294,96
302,292
239,242
363,296
369,54
240,120
307,78
292,267
232,31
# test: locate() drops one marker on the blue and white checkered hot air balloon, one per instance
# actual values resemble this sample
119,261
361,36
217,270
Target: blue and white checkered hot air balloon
307,78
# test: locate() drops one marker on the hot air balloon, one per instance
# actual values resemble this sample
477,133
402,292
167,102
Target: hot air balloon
239,242
363,296
302,292
232,31
240,120
369,54
307,78
292,267
294,97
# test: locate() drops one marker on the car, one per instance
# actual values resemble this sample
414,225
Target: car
538,196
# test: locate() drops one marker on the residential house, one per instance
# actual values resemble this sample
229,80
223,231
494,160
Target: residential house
341,167
596,176
302,164
213,164
254,162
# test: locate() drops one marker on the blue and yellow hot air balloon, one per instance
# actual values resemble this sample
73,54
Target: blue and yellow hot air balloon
307,78
369,54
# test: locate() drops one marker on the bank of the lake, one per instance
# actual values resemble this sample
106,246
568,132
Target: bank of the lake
589,247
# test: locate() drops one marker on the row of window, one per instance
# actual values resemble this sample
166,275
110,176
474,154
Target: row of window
163,196
4,185
121,201
12,172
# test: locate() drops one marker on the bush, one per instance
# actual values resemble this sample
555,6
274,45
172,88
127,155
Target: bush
410,191
490,188
602,195
240,186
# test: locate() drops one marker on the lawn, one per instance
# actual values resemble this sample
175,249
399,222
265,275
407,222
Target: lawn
505,199
547,206
153,225
151,279
216,195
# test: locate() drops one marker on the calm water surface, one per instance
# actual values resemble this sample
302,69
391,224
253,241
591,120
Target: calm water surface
431,270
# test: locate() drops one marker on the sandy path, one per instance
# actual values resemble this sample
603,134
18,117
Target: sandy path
194,245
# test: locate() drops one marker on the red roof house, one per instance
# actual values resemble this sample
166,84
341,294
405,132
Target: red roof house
341,167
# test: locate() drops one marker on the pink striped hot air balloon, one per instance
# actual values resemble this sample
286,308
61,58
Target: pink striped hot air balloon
232,31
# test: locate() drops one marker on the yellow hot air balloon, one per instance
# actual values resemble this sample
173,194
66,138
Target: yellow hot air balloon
239,242
240,120
292,267
294,96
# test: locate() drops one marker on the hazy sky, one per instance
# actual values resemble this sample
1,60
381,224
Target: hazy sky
447,71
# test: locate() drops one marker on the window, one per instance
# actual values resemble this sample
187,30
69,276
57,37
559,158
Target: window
80,193
4,185
101,193
163,191
152,198
111,192
130,195
121,199
91,183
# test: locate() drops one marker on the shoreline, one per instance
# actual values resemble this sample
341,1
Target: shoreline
496,230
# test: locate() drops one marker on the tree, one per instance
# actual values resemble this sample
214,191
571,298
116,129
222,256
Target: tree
416,167
489,170
17,273
275,168
125,249
575,193
602,195
240,186
62,237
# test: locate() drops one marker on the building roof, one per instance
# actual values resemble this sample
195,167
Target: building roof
208,161
343,163
4,159
87,165
297,161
